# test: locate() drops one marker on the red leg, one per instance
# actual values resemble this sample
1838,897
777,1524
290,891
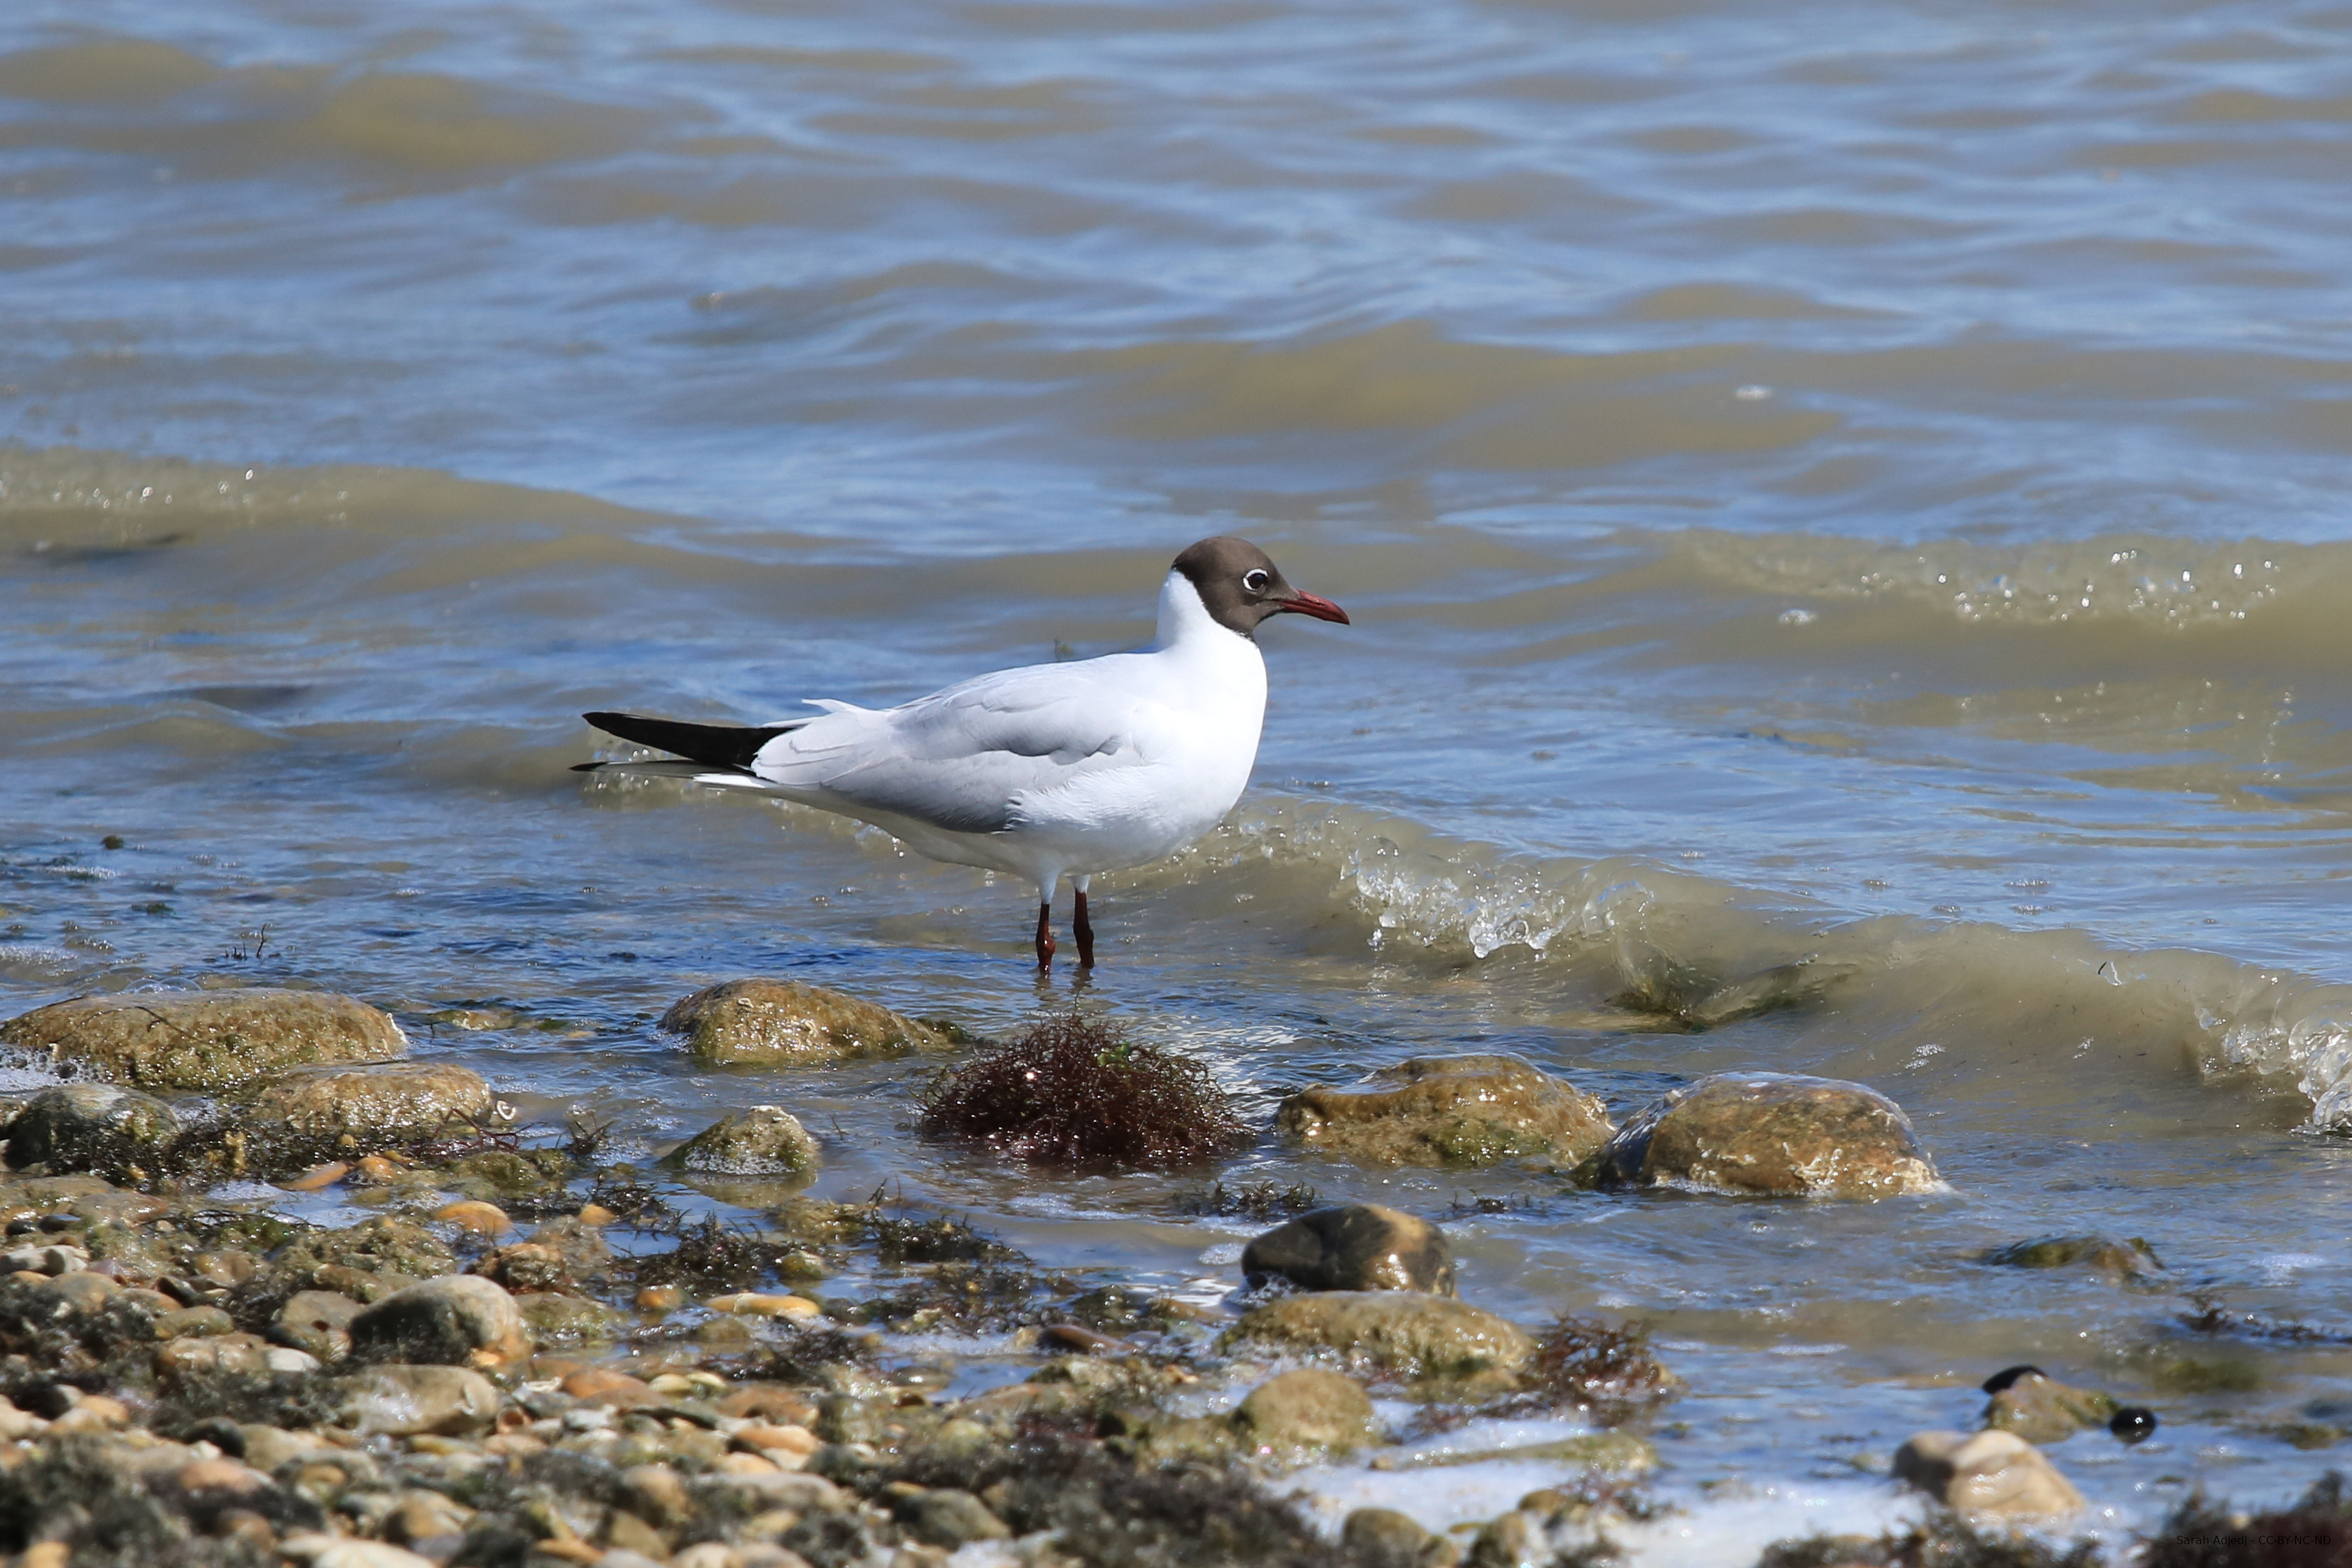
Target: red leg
1044,937
1084,931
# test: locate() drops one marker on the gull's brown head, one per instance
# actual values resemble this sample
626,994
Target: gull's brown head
1240,586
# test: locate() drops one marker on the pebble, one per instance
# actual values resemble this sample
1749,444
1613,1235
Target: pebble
472,1213
317,1178
1354,1247
400,1401
1306,1411
757,1304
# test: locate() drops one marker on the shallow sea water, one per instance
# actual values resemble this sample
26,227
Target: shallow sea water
1862,489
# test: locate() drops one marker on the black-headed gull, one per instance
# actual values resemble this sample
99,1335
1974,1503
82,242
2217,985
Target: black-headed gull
1044,772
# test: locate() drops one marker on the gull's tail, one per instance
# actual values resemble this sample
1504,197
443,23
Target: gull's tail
731,748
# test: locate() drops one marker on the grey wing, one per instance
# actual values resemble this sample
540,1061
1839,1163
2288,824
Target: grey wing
964,759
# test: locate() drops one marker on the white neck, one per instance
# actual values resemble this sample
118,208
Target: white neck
1185,622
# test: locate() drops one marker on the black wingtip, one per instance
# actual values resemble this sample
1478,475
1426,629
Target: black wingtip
585,767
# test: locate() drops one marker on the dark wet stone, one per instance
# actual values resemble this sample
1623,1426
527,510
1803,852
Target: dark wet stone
1771,1135
1383,1538
456,1320
1395,1332
1295,1414
408,1100
1354,1247
203,1039
2134,1424
2040,1409
82,1124
948,1517
765,1141
782,1022
2118,1260
1450,1111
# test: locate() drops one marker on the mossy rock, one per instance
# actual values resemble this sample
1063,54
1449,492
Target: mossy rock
411,1099
380,1246
1773,1135
553,1320
2040,1409
221,1040
784,1024
1392,1333
765,1141
510,1172
82,1126
1450,1111
2118,1260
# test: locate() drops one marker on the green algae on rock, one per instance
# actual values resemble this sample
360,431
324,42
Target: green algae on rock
784,1024
2040,1409
1396,1333
203,1039
1353,1246
82,1124
1770,1134
1304,1414
412,1099
1450,1111
765,1141
2120,1261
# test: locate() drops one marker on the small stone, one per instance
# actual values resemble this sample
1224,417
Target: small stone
1774,1134
318,1321
1308,1411
1993,1475
51,1261
596,1214
292,1362
781,1022
195,1322
456,1320
403,1401
192,1362
527,1265
741,1463
481,1218
757,1304
412,1099
1450,1110
2135,1424
2040,1409
78,1125
660,1299
1507,1542
203,1039
613,1390
1357,1247
709,1554
788,1446
625,1532
1383,1538
772,1402
946,1517
317,1178
227,1477
377,1170
322,1550
1397,1331
72,1295
764,1141
657,1493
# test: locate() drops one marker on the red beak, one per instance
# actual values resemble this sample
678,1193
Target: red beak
1314,604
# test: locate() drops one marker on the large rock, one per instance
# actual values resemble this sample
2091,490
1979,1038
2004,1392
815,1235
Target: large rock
410,1100
782,1022
1995,1476
1399,1332
1296,1415
765,1141
458,1319
1355,1247
1450,1111
1776,1135
408,1401
81,1125
203,1039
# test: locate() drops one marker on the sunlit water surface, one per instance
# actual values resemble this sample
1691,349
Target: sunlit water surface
1862,490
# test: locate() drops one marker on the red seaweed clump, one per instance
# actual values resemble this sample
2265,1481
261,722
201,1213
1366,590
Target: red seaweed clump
1073,1092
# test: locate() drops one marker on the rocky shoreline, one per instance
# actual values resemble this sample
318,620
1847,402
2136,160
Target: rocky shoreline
523,1355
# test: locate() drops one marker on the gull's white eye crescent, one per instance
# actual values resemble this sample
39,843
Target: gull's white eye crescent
1255,579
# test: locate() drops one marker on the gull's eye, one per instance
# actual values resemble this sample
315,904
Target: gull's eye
1255,579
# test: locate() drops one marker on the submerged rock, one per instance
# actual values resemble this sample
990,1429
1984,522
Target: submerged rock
1297,1415
203,1039
765,1141
1384,1538
2040,1409
1354,1247
412,1099
2118,1260
1450,1111
456,1320
1399,1332
1995,1476
1773,1134
782,1022
84,1124
340,1259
